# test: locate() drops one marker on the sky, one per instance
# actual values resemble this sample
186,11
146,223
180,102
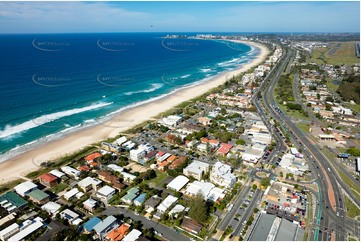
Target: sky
79,17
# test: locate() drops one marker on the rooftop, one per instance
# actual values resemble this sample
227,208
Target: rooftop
178,183
48,177
106,190
90,224
24,187
88,181
38,195
100,227
118,233
92,156
225,148
14,199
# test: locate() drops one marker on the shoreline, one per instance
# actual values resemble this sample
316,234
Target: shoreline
20,165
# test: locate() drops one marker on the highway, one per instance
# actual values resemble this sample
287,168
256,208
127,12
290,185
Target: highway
329,219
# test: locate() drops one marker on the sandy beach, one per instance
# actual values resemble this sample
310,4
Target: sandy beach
24,163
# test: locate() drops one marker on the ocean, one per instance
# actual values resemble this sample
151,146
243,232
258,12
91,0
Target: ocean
53,84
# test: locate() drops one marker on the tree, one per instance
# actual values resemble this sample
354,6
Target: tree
265,182
353,151
223,111
254,187
198,208
240,142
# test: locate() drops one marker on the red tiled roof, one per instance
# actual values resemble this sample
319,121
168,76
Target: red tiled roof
177,162
48,177
151,154
171,158
224,148
213,141
204,140
84,168
118,233
92,156
93,164
160,153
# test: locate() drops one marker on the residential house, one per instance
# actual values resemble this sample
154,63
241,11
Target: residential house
224,149
90,224
71,216
137,155
221,174
133,235
191,225
176,209
171,121
167,203
208,190
205,121
151,203
177,183
24,188
51,208
38,196
104,227
105,193
196,169
90,204
57,173
89,183
131,195
9,231
178,162
118,234
28,227
112,179
71,194
71,171
48,180
138,201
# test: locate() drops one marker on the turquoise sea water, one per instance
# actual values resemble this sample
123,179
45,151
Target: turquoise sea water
54,84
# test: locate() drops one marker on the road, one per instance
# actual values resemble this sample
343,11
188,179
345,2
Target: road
168,233
328,219
297,96
248,213
231,214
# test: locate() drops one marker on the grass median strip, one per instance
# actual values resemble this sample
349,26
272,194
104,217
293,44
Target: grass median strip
352,210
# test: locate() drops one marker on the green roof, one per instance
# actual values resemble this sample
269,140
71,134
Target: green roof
133,190
14,199
38,195
129,196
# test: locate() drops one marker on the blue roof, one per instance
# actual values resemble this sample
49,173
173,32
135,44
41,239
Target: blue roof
89,225
140,198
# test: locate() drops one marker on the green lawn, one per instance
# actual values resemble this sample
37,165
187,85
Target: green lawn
352,210
293,113
10,185
345,54
330,85
353,107
58,188
157,180
304,127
